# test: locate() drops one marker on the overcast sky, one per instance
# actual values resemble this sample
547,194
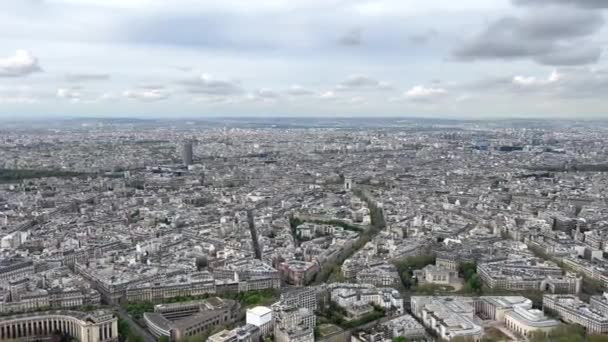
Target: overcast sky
197,58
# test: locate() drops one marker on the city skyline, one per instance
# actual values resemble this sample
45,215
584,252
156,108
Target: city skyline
195,59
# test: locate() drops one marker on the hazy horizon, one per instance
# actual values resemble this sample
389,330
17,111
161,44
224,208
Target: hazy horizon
472,59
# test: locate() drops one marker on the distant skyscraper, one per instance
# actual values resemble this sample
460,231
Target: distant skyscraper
348,184
187,153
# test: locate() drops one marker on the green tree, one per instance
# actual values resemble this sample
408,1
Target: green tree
462,339
563,333
475,282
538,336
467,270
123,327
134,338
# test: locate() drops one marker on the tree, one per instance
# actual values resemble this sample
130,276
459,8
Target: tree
123,328
563,333
462,339
201,263
163,339
467,269
538,336
134,338
475,282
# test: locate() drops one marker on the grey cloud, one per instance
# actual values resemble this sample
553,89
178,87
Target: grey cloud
579,3
353,37
297,90
359,82
586,84
578,54
572,83
75,78
422,38
266,94
147,93
547,38
206,85
559,23
501,40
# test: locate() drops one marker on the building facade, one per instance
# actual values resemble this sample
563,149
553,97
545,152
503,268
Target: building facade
98,326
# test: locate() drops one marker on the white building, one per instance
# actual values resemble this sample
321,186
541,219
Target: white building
261,317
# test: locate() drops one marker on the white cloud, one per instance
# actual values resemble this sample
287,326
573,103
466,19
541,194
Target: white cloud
264,94
267,94
214,100
328,95
22,63
526,81
108,96
421,93
297,90
147,94
69,93
209,85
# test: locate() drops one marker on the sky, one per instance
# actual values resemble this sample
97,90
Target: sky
479,59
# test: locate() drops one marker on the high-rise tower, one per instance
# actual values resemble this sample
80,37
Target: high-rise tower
187,153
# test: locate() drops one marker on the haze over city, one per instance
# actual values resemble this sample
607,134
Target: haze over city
184,58
303,171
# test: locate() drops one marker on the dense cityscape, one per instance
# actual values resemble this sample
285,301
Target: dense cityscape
303,230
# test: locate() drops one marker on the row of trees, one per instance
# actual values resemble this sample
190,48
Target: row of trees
377,224
125,333
468,271
376,212
567,333
137,309
335,314
12,175
407,266
590,286
250,298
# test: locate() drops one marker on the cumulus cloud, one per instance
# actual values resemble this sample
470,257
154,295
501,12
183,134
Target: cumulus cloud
328,95
108,96
22,63
360,82
353,37
297,90
568,83
208,85
572,54
214,99
69,93
579,3
76,78
553,36
264,94
582,83
422,93
525,81
147,93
